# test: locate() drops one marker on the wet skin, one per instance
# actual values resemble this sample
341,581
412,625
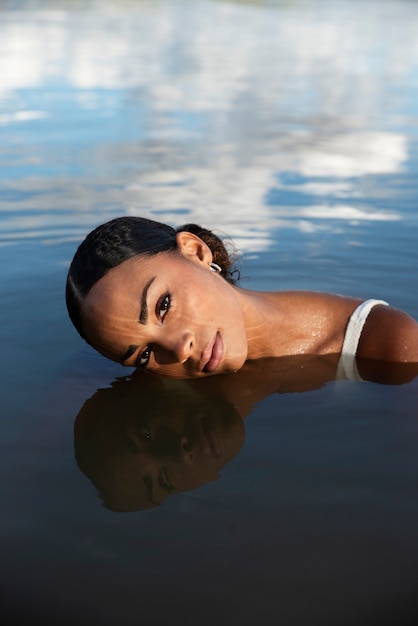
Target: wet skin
168,313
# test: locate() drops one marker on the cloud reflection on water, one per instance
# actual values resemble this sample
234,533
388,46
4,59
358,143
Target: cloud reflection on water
191,111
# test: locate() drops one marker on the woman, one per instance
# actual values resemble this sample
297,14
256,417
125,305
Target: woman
149,296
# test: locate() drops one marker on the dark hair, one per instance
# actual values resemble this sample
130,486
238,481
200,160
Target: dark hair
118,240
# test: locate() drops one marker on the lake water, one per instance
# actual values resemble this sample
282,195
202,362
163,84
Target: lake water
291,127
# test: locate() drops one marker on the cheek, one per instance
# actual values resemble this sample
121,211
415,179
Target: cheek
223,305
176,370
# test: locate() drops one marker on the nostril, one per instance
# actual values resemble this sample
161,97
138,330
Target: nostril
185,347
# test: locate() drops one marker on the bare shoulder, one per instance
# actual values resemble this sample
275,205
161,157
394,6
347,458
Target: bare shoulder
316,300
315,322
389,335
321,319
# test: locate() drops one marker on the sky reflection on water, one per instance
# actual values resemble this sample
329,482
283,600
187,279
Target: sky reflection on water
197,110
290,126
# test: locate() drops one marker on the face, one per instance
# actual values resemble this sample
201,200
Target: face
181,450
168,313
145,438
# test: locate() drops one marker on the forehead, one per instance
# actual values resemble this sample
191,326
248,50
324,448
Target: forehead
132,273
111,309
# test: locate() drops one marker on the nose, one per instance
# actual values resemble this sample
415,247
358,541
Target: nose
171,445
175,348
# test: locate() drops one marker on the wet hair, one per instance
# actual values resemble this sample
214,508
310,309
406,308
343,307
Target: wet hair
122,238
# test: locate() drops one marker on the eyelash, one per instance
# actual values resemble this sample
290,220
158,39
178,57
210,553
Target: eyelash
161,310
163,302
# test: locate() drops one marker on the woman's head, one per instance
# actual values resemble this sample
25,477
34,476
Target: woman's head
143,293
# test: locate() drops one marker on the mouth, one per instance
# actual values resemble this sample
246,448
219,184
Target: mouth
213,354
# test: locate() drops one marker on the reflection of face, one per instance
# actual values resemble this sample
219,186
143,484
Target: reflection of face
169,314
139,444
184,451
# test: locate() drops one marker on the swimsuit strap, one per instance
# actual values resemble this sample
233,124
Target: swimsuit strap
347,367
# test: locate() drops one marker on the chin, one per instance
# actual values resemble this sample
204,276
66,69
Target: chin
233,365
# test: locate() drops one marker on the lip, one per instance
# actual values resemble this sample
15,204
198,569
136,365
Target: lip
212,354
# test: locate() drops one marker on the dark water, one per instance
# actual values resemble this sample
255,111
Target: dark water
292,127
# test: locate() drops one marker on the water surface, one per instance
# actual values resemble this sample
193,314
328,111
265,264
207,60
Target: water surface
291,127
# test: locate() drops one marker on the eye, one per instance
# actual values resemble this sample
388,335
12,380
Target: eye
143,358
163,306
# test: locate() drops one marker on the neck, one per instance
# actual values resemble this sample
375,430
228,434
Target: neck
265,323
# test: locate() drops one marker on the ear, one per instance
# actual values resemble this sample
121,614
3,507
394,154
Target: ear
192,247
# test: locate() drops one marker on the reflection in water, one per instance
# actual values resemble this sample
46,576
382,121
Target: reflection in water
140,441
291,126
160,111
146,437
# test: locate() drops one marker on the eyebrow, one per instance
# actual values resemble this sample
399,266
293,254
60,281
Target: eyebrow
143,319
143,315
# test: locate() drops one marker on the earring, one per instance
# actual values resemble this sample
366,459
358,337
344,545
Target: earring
215,267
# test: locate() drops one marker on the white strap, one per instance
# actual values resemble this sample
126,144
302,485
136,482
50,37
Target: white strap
347,367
